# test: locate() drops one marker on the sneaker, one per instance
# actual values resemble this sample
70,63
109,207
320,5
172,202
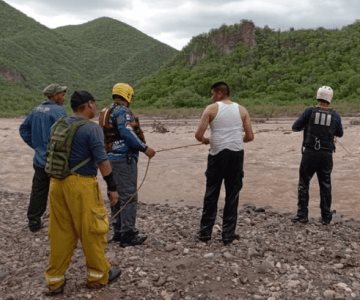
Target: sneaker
136,240
300,219
229,240
114,273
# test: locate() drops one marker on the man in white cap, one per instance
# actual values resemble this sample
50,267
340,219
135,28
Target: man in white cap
321,124
35,131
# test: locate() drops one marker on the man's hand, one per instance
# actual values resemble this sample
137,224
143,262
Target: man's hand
150,152
113,197
205,141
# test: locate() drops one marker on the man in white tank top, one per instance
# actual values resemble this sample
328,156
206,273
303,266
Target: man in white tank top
230,128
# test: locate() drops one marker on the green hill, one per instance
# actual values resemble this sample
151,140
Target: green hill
267,70
90,56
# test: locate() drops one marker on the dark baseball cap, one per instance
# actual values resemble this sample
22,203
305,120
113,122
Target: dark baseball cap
80,97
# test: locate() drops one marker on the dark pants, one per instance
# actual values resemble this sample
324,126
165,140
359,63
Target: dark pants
228,166
125,175
38,197
321,163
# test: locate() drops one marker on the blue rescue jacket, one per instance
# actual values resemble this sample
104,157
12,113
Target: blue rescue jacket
127,144
35,129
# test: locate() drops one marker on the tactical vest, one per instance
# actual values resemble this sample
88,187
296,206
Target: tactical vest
320,130
111,133
59,149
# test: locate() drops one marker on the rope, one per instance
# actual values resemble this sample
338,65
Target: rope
346,150
133,195
173,148
143,180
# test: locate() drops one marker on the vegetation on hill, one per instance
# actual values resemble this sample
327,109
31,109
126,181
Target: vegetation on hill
92,56
279,70
269,71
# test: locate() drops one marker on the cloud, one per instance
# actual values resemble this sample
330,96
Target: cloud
175,22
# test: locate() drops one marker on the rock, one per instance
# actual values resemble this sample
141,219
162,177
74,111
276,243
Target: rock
291,284
329,294
339,266
264,267
3,275
209,255
252,252
165,295
228,255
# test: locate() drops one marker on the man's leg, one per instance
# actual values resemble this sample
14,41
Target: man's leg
306,172
233,185
62,238
38,198
91,224
324,177
213,185
126,180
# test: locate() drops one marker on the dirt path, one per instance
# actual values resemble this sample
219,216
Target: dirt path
177,177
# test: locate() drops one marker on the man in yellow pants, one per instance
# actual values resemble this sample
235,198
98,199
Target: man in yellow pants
77,208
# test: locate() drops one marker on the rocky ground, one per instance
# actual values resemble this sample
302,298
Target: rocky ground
274,259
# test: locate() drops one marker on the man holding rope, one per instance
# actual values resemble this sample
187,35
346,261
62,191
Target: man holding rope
228,121
123,140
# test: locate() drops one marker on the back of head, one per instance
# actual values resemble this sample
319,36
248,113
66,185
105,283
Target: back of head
80,97
222,87
123,90
325,93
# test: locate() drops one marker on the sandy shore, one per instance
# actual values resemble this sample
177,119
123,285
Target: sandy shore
177,177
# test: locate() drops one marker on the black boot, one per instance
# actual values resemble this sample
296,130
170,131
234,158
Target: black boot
132,240
300,219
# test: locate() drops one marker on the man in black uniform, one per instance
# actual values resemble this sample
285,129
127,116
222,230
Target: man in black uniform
320,124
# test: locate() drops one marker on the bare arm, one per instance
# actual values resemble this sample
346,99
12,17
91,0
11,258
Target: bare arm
105,168
203,125
249,134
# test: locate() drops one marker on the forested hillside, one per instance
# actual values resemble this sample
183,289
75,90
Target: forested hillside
90,56
265,68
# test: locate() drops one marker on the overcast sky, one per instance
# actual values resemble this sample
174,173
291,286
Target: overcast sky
174,22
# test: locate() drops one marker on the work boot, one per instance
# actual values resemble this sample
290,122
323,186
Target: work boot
134,240
229,240
57,291
300,219
114,273
116,238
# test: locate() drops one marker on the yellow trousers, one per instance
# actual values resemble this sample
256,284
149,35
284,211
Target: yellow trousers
77,211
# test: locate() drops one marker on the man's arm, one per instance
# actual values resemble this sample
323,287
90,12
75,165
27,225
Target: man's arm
301,122
203,125
106,172
339,131
245,116
25,130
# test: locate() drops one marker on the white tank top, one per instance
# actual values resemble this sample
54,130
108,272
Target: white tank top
226,129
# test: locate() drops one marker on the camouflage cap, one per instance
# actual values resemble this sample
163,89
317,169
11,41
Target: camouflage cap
53,89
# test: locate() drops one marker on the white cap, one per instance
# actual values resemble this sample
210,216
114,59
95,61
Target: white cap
325,93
